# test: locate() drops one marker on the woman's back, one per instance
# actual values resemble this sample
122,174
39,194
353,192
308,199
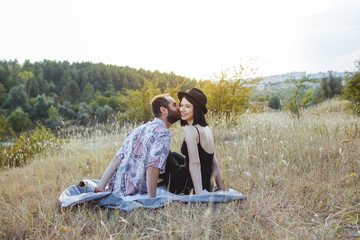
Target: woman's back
205,146
206,139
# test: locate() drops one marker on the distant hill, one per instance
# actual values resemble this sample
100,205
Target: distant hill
299,75
277,82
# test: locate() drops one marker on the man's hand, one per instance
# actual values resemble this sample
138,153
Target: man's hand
152,177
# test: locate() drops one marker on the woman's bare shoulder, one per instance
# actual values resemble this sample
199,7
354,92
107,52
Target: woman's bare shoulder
190,132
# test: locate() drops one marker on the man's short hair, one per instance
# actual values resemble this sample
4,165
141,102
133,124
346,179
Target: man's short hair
159,101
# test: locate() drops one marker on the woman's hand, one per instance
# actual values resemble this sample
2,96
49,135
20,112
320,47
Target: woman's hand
217,174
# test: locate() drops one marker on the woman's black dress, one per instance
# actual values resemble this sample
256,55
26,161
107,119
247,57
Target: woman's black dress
177,175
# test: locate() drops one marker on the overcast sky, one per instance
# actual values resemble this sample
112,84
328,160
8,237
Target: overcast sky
191,38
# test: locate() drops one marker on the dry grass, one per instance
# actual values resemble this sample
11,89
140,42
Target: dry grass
301,178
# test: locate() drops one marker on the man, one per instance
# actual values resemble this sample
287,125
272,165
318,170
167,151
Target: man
142,157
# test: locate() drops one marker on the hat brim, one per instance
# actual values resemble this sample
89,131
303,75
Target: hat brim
181,95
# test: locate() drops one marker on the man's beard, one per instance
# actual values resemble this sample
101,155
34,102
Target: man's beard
173,116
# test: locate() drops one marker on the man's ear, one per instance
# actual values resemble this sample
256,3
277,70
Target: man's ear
163,110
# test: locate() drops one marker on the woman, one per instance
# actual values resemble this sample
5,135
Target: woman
193,172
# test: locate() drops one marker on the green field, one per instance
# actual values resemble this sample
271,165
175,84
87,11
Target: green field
301,178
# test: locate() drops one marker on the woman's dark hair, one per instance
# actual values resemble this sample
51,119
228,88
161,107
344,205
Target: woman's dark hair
199,116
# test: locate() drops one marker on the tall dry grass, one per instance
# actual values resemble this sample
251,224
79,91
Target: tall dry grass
301,178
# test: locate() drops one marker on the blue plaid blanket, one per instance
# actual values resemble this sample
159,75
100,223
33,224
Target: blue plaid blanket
84,192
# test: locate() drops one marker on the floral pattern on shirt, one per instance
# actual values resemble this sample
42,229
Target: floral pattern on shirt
145,146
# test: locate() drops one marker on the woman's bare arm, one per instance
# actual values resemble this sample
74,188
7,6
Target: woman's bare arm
217,174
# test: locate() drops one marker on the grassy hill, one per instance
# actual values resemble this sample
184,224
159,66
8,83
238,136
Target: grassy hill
301,178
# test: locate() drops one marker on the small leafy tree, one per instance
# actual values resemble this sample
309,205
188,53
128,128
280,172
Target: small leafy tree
54,118
274,102
2,94
17,98
41,107
19,120
53,113
294,104
4,127
137,102
88,93
103,113
71,91
84,113
331,86
352,89
66,110
24,76
230,95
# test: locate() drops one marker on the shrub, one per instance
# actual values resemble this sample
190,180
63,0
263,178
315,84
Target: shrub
41,107
352,90
54,118
19,120
103,113
23,148
331,86
274,102
84,113
66,110
262,99
3,127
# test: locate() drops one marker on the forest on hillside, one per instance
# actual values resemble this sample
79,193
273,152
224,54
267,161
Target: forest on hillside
51,92
41,99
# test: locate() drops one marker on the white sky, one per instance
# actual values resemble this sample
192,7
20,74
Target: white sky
191,38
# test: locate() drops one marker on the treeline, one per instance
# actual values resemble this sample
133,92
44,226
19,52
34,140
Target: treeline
58,92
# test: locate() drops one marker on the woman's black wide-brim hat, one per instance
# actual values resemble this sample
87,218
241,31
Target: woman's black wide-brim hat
197,95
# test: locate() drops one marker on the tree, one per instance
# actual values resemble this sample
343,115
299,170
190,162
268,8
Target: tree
117,102
17,98
4,127
33,87
331,86
274,102
19,120
84,113
88,93
2,94
53,113
103,113
230,95
66,110
54,118
308,99
41,107
294,104
24,76
352,89
71,91
137,102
